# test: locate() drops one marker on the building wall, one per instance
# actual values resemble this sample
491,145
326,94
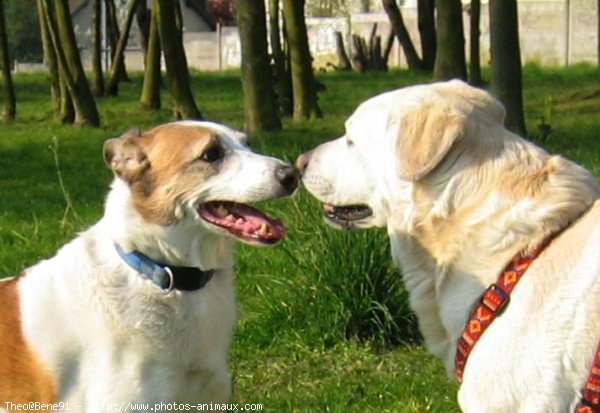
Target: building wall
551,33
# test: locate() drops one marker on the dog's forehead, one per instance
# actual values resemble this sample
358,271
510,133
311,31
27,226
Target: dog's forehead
373,115
192,136
230,136
389,107
174,137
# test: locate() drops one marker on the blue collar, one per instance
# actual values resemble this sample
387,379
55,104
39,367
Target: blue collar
167,277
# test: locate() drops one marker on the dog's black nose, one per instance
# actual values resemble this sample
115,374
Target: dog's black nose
288,177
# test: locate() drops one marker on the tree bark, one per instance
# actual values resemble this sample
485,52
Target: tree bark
60,27
150,98
505,68
49,58
360,63
370,55
112,87
426,22
342,56
112,26
178,17
450,54
97,75
184,106
303,81
397,22
365,6
143,18
10,102
66,112
388,47
598,32
283,79
112,23
260,108
474,59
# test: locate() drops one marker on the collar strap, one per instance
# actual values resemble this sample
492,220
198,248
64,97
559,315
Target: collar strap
166,277
590,395
492,304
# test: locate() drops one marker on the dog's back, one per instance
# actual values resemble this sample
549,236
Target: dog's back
22,377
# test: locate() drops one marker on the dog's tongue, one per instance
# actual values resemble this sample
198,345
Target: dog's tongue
243,221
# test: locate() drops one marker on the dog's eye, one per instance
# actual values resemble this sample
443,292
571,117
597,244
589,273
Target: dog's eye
212,154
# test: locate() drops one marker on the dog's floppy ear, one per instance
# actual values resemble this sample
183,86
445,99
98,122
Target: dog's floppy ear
125,156
425,134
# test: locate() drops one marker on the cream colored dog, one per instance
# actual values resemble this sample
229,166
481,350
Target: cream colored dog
460,196
139,309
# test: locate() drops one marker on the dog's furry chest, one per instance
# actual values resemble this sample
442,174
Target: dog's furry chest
107,336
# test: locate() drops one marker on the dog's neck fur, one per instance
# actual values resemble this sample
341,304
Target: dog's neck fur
195,246
492,225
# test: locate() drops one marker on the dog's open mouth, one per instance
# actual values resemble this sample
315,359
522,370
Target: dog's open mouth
244,222
345,215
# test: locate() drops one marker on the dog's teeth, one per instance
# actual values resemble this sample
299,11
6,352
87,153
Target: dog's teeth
230,218
263,230
239,221
221,211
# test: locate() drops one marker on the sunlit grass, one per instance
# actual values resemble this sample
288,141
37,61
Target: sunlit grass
323,321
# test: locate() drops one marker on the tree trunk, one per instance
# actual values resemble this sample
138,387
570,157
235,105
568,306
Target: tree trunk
49,57
360,63
474,59
283,80
66,112
97,75
342,56
71,71
397,22
505,65
365,6
303,81
178,17
450,54
112,87
143,21
388,47
112,26
370,55
184,106
150,98
288,104
61,98
10,103
260,108
426,22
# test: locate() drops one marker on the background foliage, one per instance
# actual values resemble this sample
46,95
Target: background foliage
23,31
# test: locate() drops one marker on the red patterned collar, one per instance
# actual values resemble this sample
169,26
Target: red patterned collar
491,305
590,395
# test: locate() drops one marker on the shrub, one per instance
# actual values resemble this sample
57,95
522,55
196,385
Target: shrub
337,285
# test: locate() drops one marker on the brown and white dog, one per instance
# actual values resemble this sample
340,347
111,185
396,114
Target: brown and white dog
139,308
461,196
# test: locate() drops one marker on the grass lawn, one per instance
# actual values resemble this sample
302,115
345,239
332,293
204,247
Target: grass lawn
323,320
